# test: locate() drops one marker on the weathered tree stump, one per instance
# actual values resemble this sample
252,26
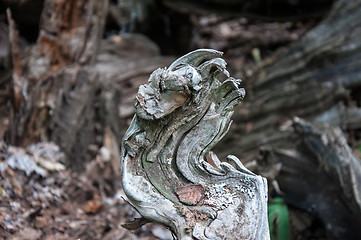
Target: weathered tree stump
60,94
169,173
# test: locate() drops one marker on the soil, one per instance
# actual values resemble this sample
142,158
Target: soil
46,201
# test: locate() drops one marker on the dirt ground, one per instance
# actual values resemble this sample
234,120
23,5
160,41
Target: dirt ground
40,199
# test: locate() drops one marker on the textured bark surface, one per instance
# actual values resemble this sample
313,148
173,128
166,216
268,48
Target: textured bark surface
263,9
318,78
318,173
58,88
18,82
70,33
169,173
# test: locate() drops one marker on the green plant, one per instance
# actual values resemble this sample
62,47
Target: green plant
278,219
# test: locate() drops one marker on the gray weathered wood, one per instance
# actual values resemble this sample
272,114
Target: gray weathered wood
318,78
170,174
319,173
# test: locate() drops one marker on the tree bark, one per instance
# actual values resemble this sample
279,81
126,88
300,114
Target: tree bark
280,10
59,86
319,174
317,78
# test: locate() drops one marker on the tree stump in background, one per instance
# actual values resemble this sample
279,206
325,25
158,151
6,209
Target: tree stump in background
170,174
60,89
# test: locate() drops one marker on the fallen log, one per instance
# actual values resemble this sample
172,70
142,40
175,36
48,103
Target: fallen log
317,78
318,173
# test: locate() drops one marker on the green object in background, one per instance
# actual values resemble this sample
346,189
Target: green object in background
256,54
278,220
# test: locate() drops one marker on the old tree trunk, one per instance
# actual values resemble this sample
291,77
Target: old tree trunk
60,97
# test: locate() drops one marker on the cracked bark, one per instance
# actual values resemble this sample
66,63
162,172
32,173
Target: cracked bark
317,78
60,86
319,173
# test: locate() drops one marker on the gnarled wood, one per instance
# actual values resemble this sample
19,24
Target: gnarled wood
169,173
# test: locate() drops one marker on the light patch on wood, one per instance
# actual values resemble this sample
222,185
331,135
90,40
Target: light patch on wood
190,194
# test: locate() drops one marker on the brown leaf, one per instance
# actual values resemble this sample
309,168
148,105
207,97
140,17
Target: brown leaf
135,224
92,206
15,183
27,234
40,222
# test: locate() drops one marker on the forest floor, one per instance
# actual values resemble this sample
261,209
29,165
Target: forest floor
40,199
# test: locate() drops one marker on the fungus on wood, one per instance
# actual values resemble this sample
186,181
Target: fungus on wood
170,174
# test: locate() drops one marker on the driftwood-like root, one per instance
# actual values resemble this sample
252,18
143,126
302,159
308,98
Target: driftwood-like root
169,173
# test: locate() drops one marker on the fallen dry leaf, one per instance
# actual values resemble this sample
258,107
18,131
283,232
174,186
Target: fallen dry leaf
92,206
27,234
40,222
